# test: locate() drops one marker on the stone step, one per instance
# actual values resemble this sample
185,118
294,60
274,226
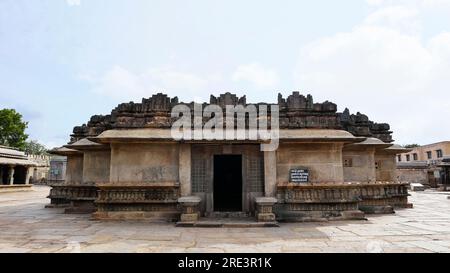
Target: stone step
227,223
230,214
417,187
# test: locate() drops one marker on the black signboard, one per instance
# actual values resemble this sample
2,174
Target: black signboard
299,175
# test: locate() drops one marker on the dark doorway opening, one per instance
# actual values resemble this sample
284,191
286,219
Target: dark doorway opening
4,175
20,175
227,183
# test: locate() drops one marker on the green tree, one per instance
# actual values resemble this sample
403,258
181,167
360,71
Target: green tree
12,129
34,148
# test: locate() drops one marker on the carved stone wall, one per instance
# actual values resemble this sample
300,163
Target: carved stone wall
158,202
360,125
338,201
77,198
296,111
384,194
58,196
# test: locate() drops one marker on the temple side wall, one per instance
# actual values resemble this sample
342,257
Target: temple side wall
359,165
386,167
324,161
74,172
96,166
144,162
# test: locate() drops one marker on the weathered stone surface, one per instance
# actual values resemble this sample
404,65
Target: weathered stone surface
296,111
190,208
25,226
142,171
155,201
264,209
74,198
360,125
329,201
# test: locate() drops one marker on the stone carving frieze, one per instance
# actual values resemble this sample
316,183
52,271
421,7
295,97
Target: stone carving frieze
157,195
296,111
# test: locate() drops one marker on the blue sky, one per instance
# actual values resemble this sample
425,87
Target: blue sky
62,61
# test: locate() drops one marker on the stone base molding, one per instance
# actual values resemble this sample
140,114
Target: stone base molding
317,202
75,198
338,201
153,201
383,197
294,202
58,197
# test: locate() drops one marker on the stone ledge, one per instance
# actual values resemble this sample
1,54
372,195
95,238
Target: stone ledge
269,201
15,188
377,209
130,185
319,216
151,216
326,185
135,201
404,206
57,206
225,224
189,200
79,210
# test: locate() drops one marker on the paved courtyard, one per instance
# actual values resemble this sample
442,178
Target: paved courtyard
26,226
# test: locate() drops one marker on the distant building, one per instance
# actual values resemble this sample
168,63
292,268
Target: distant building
57,170
424,164
41,169
16,169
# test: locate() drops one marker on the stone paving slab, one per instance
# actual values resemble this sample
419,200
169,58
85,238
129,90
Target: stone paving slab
26,226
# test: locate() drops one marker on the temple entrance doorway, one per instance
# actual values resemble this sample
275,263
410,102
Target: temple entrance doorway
227,183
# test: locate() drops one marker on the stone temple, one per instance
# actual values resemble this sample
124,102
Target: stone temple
328,165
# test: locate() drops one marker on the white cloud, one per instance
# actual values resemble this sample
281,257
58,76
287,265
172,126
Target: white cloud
401,18
423,3
122,84
374,2
73,2
382,68
54,142
176,79
256,74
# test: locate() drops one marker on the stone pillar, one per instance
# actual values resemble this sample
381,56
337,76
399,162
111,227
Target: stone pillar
185,169
270,173
336,152
1,175
34,174
11,175
371,171
27,176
